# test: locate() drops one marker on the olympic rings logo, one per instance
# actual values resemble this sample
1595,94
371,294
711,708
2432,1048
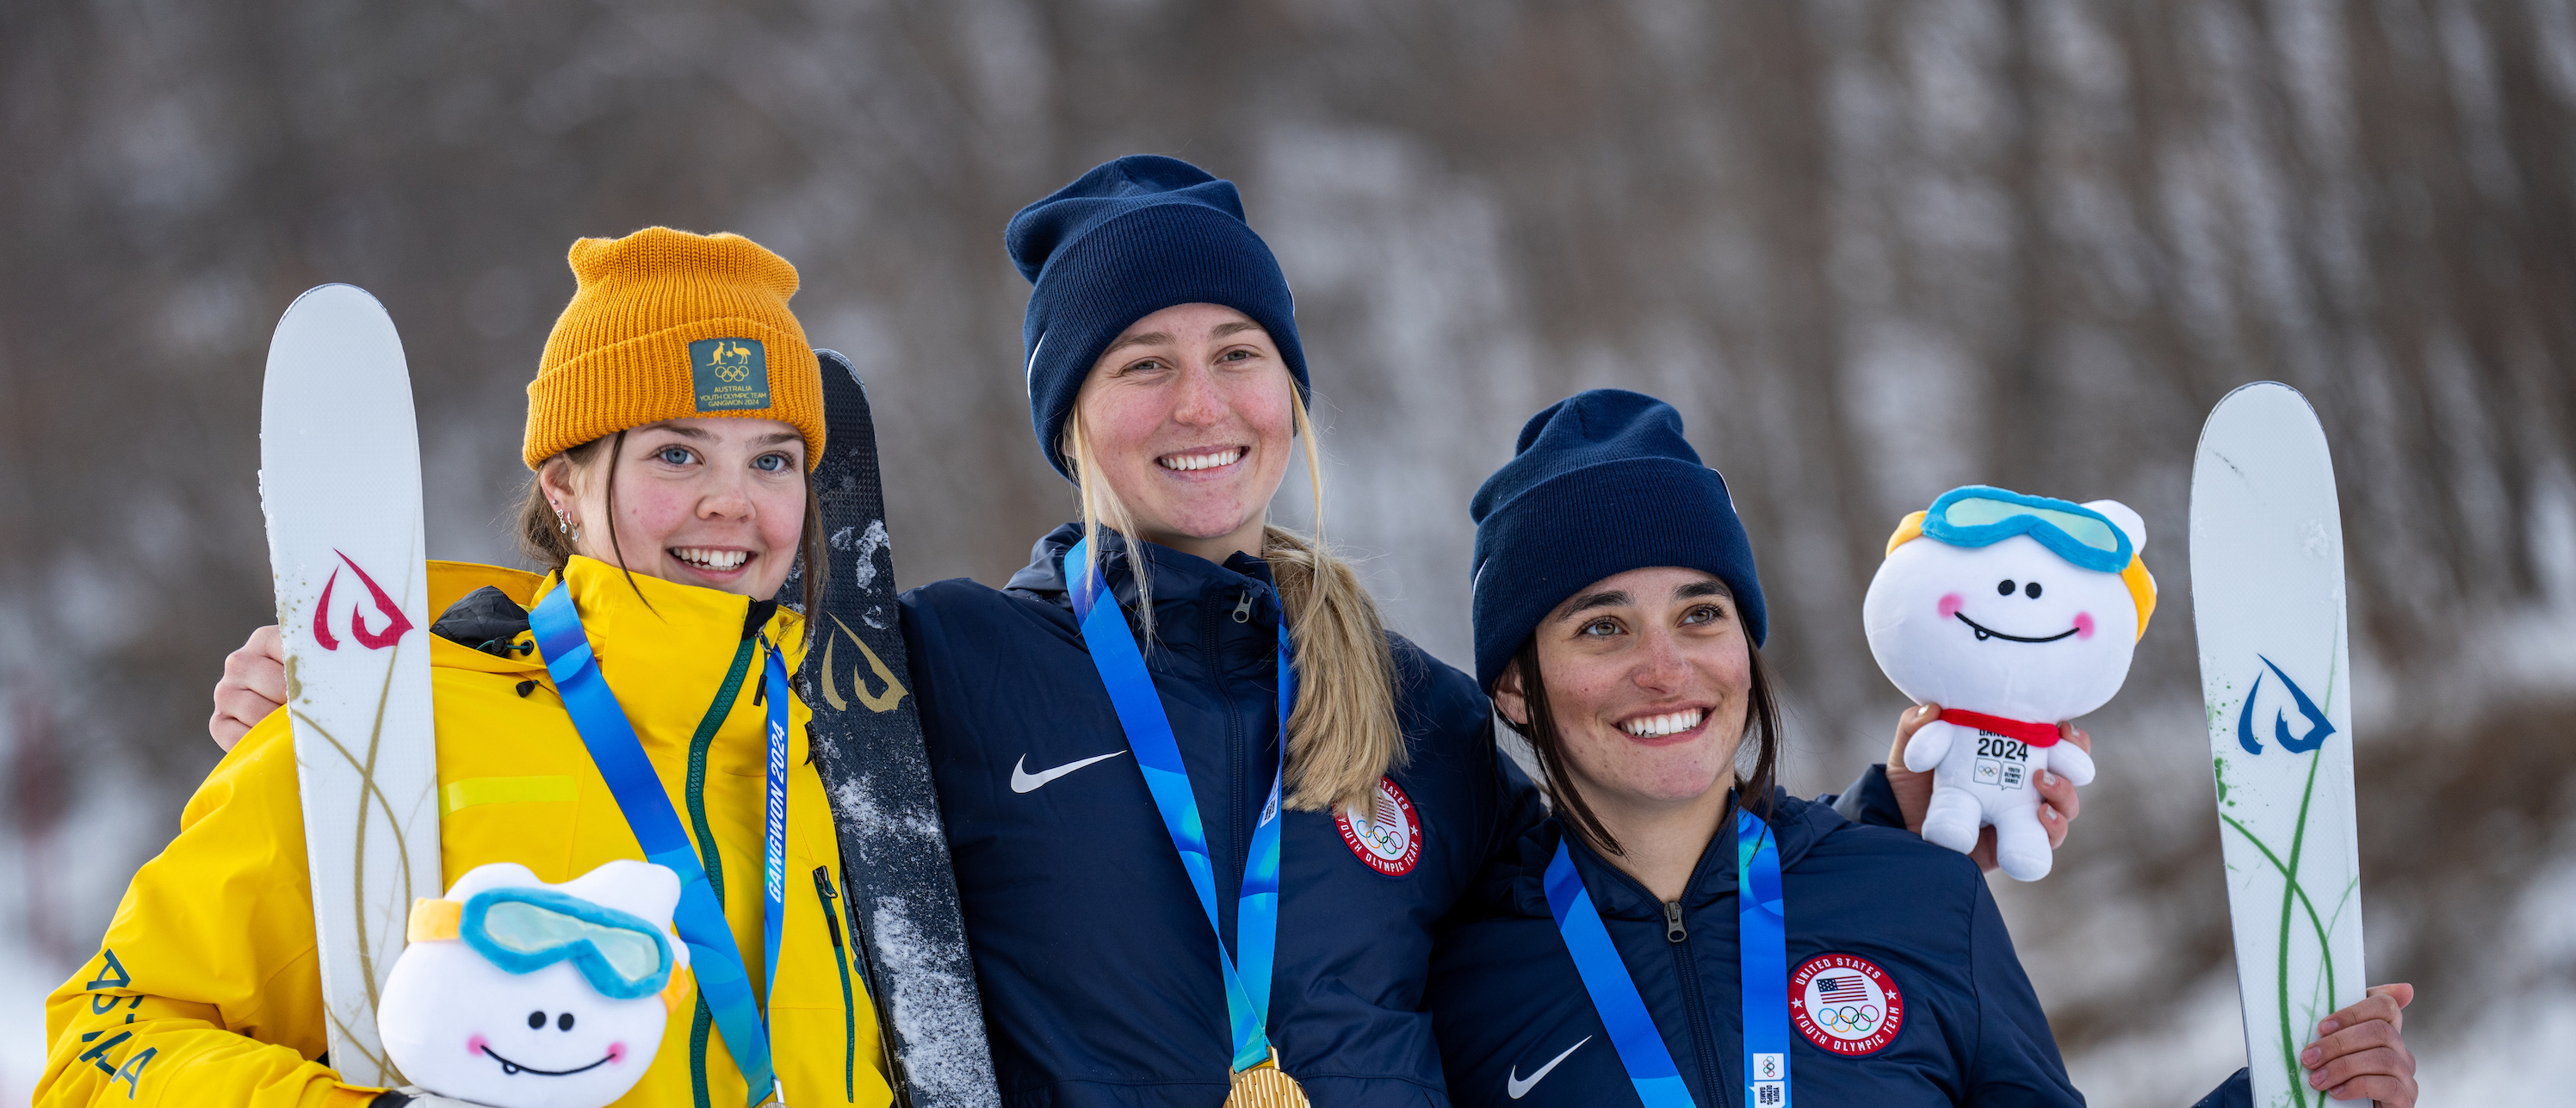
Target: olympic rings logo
1849,1019
733,373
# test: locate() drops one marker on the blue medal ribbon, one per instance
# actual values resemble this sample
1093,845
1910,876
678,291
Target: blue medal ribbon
713,957
1762,953
1149,734
773,875
1764,959
1614,994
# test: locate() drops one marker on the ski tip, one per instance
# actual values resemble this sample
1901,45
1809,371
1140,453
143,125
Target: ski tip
334,299
2270,398
330,335
335,292
836,359
2259,388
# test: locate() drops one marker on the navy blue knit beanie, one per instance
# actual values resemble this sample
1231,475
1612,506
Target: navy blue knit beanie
1601,483
1128,239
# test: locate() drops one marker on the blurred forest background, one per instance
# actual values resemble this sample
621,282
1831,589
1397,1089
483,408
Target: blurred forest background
1872,250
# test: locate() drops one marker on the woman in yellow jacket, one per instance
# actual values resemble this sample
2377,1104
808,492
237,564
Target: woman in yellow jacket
669,526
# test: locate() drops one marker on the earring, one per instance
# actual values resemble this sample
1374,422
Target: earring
561,524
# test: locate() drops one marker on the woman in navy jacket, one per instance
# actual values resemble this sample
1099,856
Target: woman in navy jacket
1617,619
1166,380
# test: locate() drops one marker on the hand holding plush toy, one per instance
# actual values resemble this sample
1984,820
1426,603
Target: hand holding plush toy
2012,612
515,993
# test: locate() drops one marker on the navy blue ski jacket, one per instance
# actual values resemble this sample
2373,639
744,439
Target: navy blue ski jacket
1875,915
1098,969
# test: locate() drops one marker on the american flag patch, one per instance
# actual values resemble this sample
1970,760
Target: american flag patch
1844,1004
1841,990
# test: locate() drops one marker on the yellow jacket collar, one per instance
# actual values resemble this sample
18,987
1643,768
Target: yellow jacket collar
681,618
665,615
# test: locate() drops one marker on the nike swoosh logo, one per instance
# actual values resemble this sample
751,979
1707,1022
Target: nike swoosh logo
1023,781
1516,1085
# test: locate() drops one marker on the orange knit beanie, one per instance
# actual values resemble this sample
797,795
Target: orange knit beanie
671,325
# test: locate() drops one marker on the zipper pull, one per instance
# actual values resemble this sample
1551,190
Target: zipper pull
1673,929
1243,608
831,919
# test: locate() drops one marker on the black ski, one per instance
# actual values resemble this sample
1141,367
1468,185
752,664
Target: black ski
868,747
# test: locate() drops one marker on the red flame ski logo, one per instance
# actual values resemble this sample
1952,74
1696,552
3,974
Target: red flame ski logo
395,624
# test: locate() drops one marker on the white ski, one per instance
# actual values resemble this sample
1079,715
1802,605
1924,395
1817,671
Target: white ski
2268,598
339,478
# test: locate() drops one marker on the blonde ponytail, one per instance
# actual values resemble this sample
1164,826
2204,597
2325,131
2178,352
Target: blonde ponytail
1343,735
1102,508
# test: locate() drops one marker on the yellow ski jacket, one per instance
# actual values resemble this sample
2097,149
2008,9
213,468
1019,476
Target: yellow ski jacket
205,989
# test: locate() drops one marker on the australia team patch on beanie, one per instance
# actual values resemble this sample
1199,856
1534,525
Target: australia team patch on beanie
671,325
1127,239
1600,483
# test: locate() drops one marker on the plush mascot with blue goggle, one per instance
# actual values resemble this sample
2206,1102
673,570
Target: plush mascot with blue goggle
515,993
2014,613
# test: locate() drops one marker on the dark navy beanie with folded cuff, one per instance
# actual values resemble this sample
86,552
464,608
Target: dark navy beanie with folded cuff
1601,483
1128,239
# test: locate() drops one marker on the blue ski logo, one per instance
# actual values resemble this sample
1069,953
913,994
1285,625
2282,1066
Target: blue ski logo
2318,728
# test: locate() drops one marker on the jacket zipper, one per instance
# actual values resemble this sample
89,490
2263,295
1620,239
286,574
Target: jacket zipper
849,1005
1702,1039
1237,850
708,857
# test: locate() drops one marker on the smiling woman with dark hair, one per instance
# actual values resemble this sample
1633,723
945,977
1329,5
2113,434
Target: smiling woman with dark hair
1612,956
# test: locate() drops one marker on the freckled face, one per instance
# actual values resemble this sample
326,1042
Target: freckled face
716,503
1189,414
1649,677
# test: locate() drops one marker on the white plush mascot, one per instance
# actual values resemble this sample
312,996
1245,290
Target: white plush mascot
515,993
2013,613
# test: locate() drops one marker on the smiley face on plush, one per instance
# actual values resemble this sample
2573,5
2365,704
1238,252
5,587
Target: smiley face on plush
2013,613
519,994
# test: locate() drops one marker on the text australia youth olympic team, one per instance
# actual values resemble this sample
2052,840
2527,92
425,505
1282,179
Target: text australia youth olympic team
1169,654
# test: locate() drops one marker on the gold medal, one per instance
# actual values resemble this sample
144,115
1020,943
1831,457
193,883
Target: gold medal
1266,1086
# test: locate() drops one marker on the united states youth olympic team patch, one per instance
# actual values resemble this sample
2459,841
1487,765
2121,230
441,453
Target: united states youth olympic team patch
1388,838
1845,1004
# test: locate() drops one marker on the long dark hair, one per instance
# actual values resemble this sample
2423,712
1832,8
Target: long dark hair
1762,725
543,540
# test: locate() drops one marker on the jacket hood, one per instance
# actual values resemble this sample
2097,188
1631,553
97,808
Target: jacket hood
1517,882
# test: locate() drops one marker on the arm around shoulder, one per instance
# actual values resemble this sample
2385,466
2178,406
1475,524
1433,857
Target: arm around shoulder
205,988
